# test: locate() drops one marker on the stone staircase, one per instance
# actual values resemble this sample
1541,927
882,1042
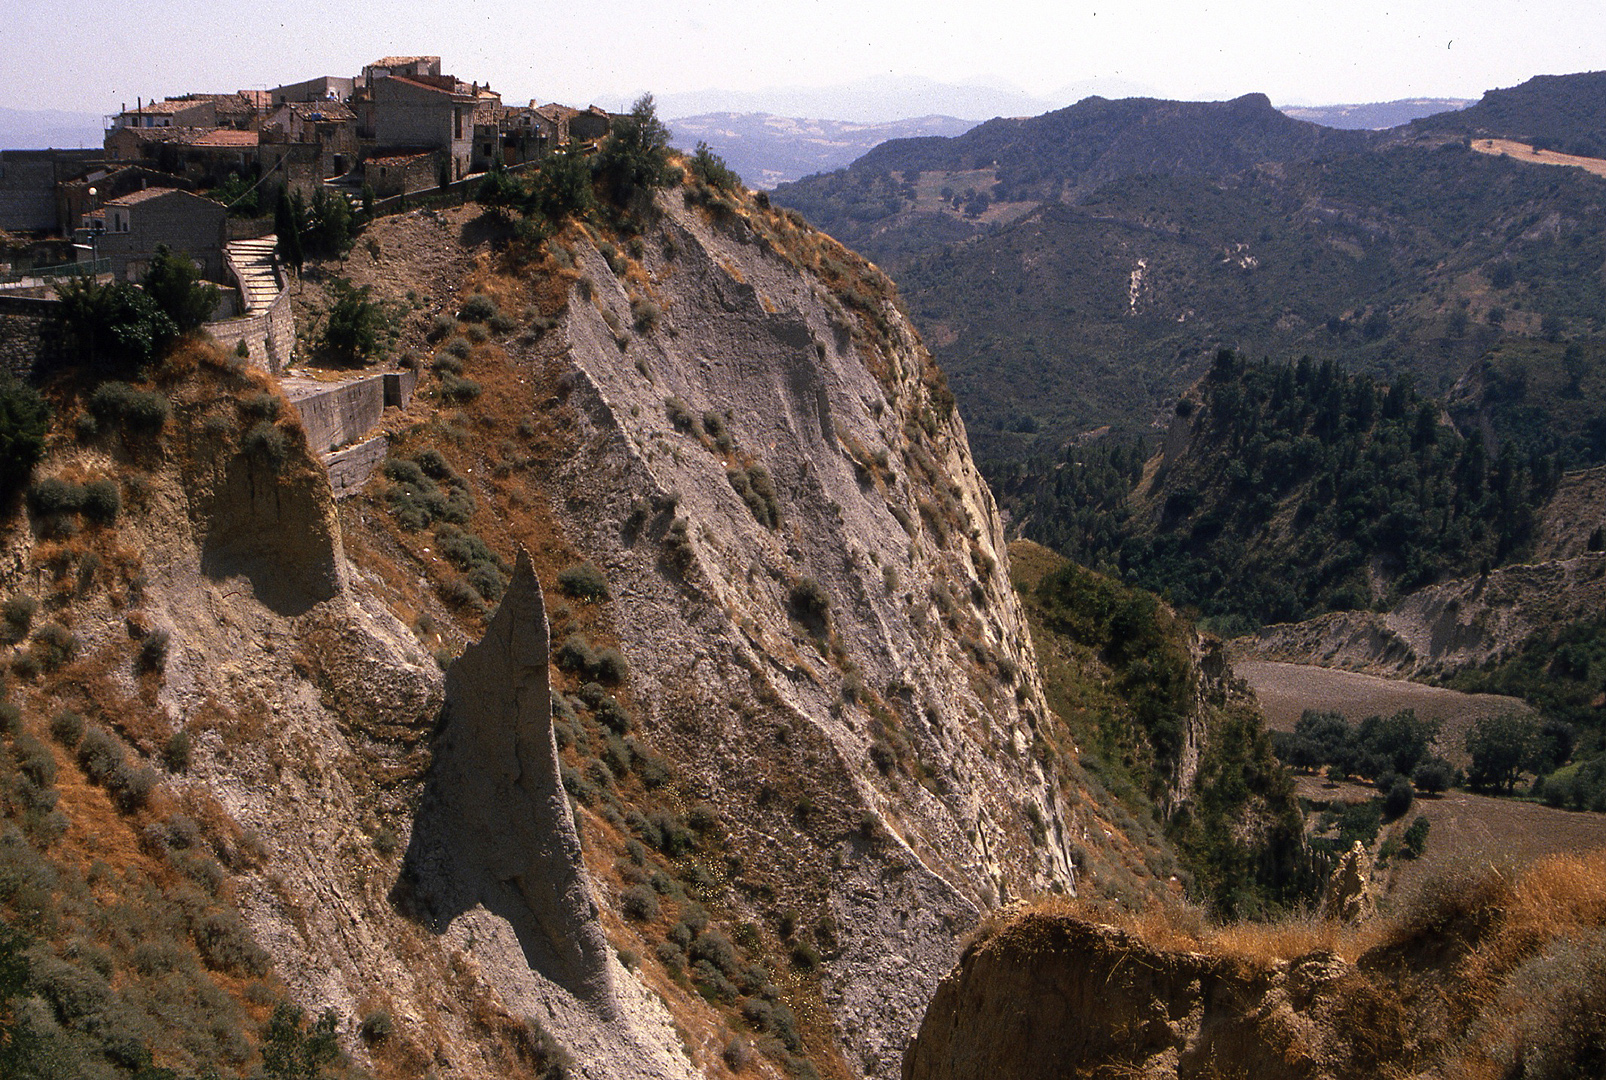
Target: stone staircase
258,272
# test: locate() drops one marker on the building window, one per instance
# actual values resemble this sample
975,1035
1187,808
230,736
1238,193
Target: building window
457,115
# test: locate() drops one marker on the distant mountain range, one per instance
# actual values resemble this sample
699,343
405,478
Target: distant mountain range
768,150
1375,116
890,98
23,129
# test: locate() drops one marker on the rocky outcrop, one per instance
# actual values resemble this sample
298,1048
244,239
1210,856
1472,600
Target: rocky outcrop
495,857
495,828
1347,896
1572,521
260,515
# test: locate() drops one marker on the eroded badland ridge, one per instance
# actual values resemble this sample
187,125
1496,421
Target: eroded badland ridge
794,700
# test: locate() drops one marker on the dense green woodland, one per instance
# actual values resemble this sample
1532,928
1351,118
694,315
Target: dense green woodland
1554,112
1298,481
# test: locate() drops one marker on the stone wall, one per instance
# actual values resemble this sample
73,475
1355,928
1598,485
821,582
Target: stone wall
334,415
337,416
248,228
27,192
30,337
269,337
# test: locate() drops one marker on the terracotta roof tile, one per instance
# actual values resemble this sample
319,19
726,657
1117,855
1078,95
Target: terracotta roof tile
399,159
220,137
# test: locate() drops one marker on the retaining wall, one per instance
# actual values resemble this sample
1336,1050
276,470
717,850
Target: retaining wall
269,336
350,468
335,415
399,387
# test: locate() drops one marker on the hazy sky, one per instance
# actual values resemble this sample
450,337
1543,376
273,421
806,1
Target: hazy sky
94,54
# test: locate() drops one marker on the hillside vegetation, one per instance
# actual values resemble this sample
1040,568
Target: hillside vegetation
1104,275
795,707
1293,489
1552,112
1159,722
1478,973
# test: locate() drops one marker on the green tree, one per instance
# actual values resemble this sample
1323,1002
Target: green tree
357,325
561,187
293,1051
500,192
174,282
634,158
115,325
239,194
329,229
711,169
1501,747
24,419
289,222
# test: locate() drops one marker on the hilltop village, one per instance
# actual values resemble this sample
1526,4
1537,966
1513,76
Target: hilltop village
195,171
210,177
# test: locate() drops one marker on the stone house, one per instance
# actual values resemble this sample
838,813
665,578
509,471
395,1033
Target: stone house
404,112
414,66
206,155
28,183
237,111
130,228
174,112
290,166
402,174
522,135
327,125
87,192
591,124
568,123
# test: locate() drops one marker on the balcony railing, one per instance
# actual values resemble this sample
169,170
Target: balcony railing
87,268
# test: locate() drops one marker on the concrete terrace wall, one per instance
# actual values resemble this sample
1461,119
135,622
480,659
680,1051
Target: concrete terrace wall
335,416
350,468
30,337
270,336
